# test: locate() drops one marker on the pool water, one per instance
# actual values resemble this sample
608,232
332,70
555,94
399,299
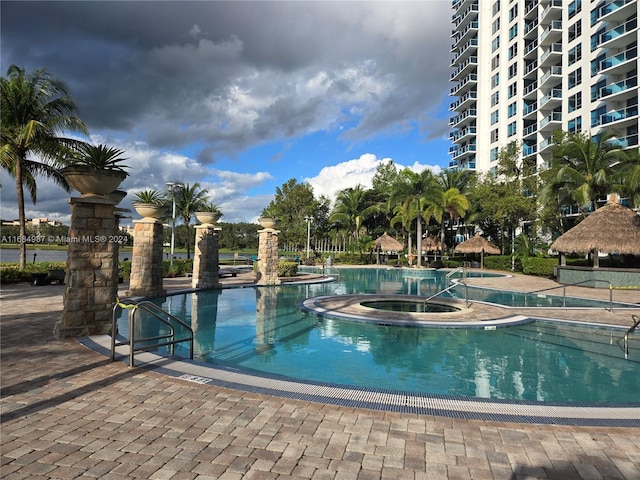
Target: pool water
262,330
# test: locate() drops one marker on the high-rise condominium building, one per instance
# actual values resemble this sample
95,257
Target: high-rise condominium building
524,68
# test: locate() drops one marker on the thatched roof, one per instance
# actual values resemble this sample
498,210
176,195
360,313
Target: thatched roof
613,228
430,244
477,244
388,244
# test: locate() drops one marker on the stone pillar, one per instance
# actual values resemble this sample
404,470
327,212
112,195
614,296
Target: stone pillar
92,277
266,313
268,257
205,258
146,264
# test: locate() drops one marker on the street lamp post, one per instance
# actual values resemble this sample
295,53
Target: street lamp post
171,186
308,219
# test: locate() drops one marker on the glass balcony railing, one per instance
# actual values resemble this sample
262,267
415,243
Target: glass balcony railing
618,59
617,115
619,87
599,39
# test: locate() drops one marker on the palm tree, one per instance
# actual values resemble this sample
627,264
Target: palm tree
584,167
412,187
350,210
36,109
443,204
190,199
405,213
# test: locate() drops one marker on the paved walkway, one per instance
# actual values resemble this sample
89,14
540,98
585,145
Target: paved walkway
68,412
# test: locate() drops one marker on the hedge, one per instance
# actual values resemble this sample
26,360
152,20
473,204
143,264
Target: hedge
287,269
540,266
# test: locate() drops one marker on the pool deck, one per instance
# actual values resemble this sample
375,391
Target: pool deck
68,411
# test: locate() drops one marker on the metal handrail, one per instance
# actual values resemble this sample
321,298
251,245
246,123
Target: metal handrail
564,291
466,293
636,321
159,314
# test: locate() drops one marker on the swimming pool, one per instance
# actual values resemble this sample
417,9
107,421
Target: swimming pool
262,330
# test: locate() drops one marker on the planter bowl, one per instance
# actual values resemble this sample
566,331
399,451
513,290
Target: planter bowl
267,222
149,210
90,182
208,218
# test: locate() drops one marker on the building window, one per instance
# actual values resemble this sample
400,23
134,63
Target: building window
511,129
493,154
575,78
495,98
575,30
512,90
575,102
513,50
575,7
495,80
495,116
575,54
495,44
495,62
511,110
597,88
495,26
596,115
513,31
575,125
513,13
495,8
494,135
513,70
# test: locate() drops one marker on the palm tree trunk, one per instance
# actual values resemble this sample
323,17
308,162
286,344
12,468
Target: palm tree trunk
419,236
442,238
22,221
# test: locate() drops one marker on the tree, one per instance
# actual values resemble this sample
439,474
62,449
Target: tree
36,110
405,214
442,204
584,168
190,199
292,203
350,210
413,187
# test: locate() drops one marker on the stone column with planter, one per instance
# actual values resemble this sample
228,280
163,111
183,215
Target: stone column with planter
146,264
205,258
92,270
267,254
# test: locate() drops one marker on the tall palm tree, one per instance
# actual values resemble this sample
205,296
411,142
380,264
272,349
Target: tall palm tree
36,110
190,199
350,210
584,167
405,213
414,187
443,204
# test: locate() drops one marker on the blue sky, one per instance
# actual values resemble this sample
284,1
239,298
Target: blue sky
243,96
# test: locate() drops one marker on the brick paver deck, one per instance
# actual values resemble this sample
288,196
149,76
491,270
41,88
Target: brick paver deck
69,412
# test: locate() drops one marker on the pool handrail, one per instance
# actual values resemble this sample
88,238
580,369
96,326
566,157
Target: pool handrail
159,314
636,322
564,290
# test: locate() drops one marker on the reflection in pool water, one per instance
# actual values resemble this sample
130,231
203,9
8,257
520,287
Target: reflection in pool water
262,330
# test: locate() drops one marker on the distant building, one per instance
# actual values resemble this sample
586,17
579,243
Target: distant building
524,68
33,221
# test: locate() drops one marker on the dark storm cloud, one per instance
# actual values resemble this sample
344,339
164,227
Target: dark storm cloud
230,75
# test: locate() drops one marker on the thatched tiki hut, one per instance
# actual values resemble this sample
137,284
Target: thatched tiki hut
385,243
612,229
477,244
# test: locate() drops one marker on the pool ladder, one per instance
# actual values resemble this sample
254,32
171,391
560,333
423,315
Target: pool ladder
463,270
636,321
161,340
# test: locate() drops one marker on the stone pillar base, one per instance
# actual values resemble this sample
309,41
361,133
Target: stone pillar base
205,258
146,264
268,257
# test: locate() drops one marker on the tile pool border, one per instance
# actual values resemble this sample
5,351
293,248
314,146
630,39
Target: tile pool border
624,415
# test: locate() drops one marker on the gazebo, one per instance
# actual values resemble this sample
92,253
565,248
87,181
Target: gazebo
386,243
477,244
613,228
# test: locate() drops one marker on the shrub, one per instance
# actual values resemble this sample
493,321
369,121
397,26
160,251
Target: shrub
287,269
539,266
501,262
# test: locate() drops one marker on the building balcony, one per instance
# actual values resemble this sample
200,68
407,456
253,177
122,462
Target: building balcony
460,37
463,19
620,91
469,48
464,102
463,152
530,91
463,135
552,98
530,130
616,10
531,70
468,66
551,33
554,73
531,9
625,142
528,150
618,63
529,110
552,11
616,116
464,85
617,37
551,121
530,49
545,144
552,55
464,118
531,29
461,5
